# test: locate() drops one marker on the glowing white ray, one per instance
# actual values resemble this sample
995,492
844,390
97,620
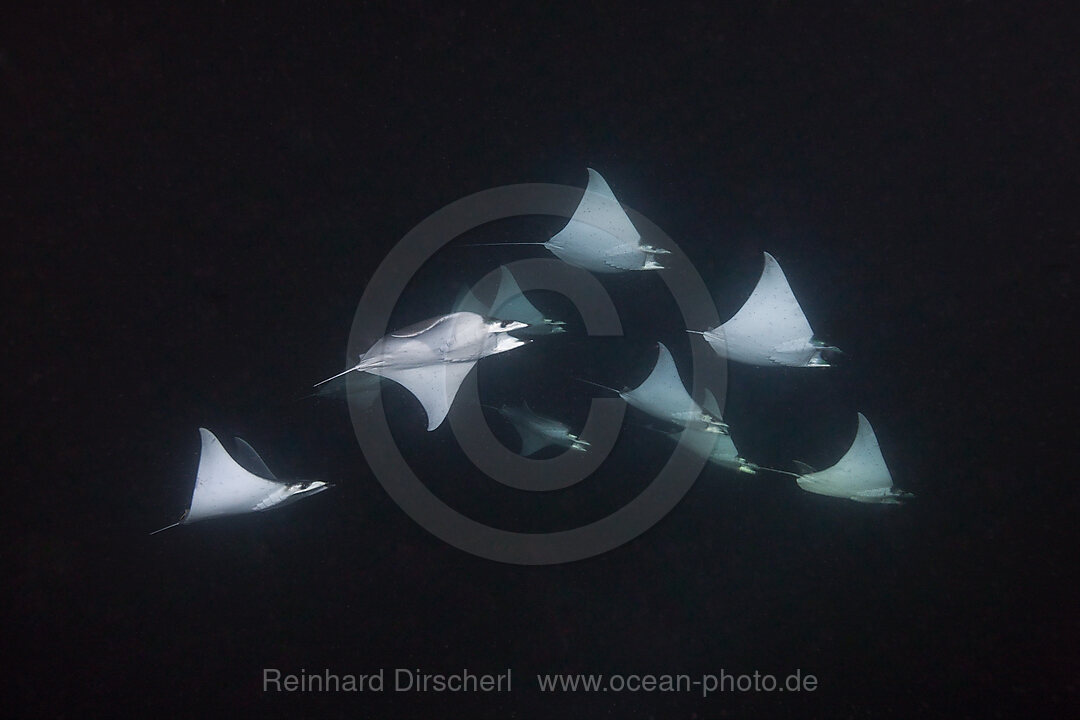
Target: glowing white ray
860,475
432,358
510,303
663,396
600,236
538,432
225,487
770,328
723,451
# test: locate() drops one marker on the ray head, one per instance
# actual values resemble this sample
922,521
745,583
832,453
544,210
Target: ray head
298,490
508,342
496,325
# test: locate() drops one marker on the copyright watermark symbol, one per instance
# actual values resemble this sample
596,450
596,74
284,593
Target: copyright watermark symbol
466,418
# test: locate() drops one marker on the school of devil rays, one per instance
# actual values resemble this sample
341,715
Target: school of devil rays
432,358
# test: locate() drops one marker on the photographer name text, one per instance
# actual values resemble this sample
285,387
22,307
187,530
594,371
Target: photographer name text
383,680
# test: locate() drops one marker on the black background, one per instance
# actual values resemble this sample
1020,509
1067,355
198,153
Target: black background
196,197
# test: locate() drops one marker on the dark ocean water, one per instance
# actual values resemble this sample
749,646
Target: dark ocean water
198,198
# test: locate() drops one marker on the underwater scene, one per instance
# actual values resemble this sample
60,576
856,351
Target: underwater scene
422,361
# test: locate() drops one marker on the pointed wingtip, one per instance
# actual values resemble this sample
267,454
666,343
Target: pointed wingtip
771,267
207,439
864,426
434,419
598,184
661,351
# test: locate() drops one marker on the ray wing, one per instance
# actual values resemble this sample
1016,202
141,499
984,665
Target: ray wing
862,468
435,386
662,394
600,209
599,235
511,304
250,460
222,486
439,324
531,440
770,322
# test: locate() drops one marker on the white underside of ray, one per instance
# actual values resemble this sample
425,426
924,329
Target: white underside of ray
770,328
511,304
431,359
224,487
435,386
861,474
723,451
663,395
537,431
459,337
600,236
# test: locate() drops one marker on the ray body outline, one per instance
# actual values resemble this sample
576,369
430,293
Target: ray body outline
539,431
860,475
237,484
770,328
600,236
430,359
